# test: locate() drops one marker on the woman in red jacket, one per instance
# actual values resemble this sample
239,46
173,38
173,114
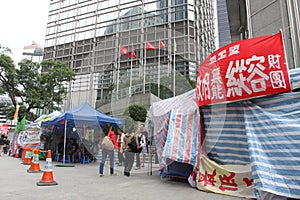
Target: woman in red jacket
108,132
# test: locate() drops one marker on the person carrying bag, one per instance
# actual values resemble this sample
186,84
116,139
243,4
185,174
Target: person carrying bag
129,146
107,143
108,150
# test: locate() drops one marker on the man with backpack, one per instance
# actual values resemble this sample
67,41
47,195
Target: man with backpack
128,152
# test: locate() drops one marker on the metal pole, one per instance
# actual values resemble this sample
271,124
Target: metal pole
150,153
118,53
65,139
158,73
293,32
174,69
144,46
130,81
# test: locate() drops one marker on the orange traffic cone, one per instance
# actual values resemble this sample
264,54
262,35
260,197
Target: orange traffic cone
27,158
35,166
17,155
47,178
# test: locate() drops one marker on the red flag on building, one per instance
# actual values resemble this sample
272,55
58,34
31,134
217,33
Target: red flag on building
124,51
242,70
150,46
133,55
162,45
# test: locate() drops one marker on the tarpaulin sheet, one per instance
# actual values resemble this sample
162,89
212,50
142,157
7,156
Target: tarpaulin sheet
264,132
273,134
225,135
176,123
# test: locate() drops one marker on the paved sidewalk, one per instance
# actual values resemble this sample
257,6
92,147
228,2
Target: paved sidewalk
83,182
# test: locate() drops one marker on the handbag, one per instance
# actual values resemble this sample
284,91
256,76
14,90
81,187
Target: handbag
107,143
133,146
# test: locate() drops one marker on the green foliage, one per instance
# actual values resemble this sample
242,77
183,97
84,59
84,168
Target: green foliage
22,112
8,80
48,88
138,113
4,50
37,90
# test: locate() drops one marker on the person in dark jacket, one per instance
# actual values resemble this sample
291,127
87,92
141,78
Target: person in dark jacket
129,155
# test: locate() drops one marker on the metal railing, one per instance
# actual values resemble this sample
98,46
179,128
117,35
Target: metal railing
124,93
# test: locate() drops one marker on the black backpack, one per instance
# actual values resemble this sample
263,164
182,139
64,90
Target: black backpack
133,146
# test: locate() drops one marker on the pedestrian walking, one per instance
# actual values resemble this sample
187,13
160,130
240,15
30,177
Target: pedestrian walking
5,145
105,152
1,144
120,139
128,153
144,144
137,154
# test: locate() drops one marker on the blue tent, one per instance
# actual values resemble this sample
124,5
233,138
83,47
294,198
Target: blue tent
82,115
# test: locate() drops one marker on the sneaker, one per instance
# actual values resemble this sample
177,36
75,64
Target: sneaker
101,175
114,174
136,168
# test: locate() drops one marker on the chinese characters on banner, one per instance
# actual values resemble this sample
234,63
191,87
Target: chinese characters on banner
3,129
235,180
242,70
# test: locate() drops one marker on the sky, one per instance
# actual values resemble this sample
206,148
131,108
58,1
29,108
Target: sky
21,22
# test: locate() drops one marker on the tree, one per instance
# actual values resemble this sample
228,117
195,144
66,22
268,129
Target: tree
8,82
44,90
4,50
138,112
22,113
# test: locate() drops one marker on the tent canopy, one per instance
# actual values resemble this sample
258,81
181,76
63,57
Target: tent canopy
47,117
82,115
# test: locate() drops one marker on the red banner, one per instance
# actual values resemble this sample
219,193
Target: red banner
242,70
3,129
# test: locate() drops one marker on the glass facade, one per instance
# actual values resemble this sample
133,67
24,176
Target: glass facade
87,34
5,103
278,16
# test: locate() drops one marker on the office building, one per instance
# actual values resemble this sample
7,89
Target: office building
253,18
5,103
87,35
